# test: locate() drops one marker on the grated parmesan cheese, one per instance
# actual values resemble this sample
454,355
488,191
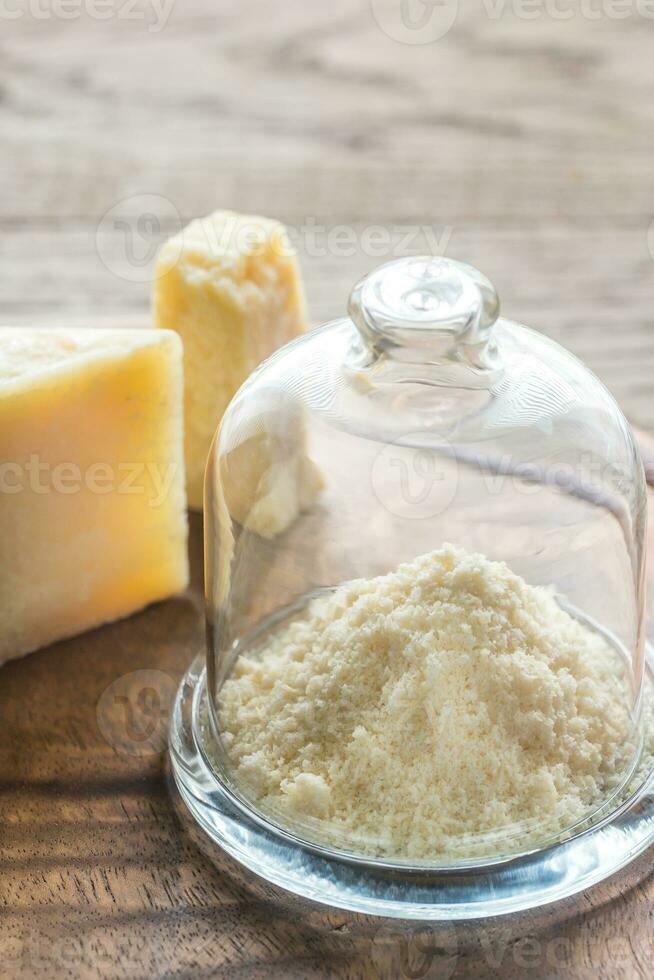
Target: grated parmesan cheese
433,712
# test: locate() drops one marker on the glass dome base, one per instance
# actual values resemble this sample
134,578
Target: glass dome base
538,879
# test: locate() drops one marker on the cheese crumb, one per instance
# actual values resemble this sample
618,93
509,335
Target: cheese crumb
446,709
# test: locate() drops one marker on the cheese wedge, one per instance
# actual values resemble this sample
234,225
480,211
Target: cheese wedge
230,285
92,506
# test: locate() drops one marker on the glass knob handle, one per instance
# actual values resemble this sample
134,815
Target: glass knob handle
410,301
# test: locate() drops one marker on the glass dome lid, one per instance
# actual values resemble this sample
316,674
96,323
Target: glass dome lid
426,433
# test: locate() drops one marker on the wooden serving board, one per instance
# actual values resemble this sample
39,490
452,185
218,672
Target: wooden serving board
103,875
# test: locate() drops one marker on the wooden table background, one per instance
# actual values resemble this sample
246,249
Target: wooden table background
522,144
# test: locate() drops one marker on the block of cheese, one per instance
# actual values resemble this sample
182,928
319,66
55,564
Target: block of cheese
230,285
92,504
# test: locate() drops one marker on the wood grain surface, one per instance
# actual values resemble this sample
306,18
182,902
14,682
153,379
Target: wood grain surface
520,143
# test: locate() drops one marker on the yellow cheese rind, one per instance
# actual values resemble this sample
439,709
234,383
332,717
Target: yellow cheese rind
230,285
92,504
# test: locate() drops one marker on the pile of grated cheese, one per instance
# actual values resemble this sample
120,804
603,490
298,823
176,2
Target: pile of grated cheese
432,712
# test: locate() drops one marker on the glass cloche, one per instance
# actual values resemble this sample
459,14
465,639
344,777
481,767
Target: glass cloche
420,422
